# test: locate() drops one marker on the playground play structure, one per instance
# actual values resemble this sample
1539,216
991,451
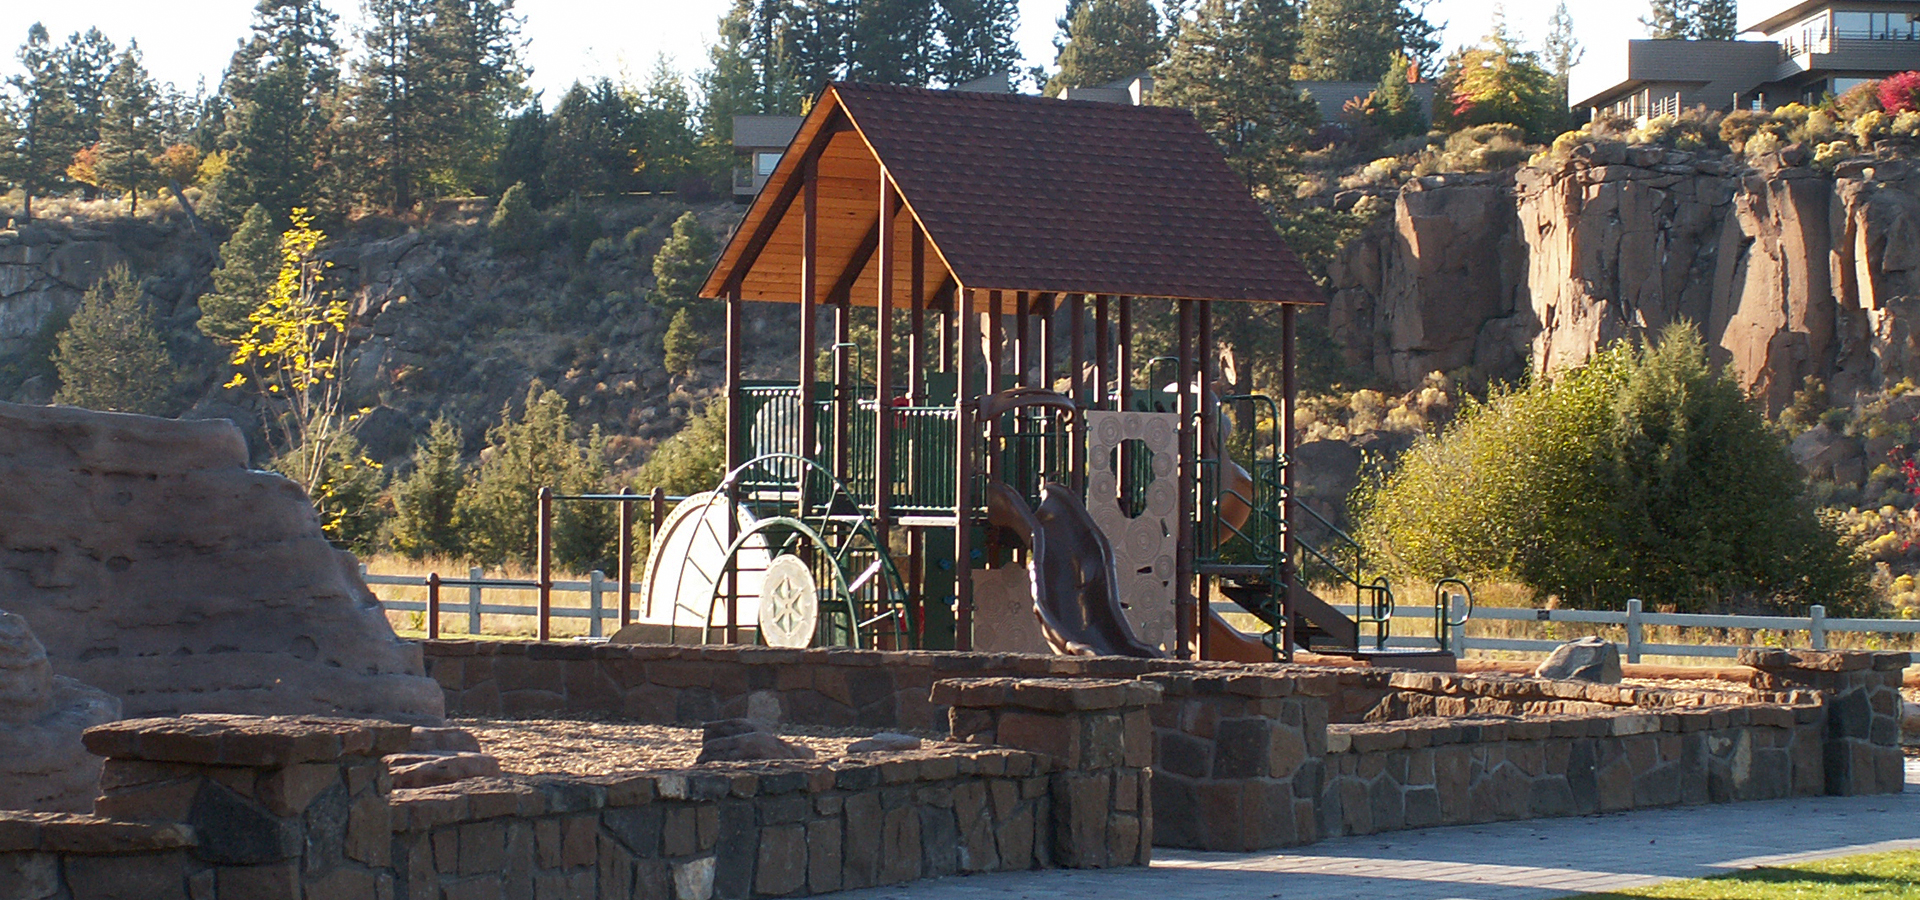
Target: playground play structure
1017,479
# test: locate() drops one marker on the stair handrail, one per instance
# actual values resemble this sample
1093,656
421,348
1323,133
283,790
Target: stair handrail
1443,619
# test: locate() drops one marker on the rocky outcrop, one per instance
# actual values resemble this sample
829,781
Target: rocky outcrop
43,765
155,565
1789,271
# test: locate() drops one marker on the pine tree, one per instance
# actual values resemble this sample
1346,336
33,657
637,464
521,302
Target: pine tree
681,346
975,39
46,125
1562,51
249,263
749,72
537,449
426,504
278,89
86,64
1693,20
891,41
1357,40
1230,64
523,154
682,263
110,356
663,131
1102,41
1392,109
477,74
128,140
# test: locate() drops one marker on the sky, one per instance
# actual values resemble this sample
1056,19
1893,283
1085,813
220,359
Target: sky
188,40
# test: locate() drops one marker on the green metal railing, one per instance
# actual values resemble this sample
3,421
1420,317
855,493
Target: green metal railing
922,460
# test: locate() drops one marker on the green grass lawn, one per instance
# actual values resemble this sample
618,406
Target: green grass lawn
1877,875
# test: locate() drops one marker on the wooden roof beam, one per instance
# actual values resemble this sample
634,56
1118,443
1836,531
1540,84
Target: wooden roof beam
789,192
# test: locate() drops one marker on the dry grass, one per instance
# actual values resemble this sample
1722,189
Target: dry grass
454,620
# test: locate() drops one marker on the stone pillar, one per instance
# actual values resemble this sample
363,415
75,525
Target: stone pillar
280,806
1862,693
1097,733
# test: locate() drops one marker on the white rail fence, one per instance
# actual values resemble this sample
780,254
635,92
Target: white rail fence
602,608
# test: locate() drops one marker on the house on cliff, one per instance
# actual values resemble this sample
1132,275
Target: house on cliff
1798,52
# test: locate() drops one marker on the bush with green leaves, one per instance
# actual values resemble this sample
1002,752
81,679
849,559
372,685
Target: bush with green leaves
1644,473
110,356
694,459
539,448
346,493
515,226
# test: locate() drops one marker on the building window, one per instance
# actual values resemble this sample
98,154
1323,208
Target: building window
764,163
1880,26
1843,85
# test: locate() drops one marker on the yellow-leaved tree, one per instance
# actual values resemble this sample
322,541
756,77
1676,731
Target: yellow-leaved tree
290,355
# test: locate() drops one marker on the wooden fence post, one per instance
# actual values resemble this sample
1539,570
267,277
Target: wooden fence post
626,558
1634,639
473,600
545,556
596,582
1817,627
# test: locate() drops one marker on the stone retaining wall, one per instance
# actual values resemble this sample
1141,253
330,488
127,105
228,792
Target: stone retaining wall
249,808
1450,771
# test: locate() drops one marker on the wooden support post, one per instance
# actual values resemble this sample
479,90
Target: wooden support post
543,556
626,557
917,321
1183,599
1022,343
736,447
967,405
433,606
883,374
809,313
1077,385
844,395
1043,341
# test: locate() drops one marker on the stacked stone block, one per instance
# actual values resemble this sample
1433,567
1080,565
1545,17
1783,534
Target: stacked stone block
730,830
1238,758
1862,749
44,856
1099,737
1453,771
278,806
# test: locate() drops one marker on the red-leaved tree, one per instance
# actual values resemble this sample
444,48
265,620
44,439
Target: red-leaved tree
1900,93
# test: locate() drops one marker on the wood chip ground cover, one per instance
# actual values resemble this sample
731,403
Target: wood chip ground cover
606,746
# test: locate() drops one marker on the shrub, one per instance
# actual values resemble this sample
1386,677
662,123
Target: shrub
1644,473
1859,100
515,227
538,449
346,489
682,262
1900,93
1482,148
426,505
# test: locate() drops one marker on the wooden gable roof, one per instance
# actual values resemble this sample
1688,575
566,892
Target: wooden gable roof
1013,193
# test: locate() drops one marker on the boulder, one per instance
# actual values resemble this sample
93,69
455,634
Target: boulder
156,566
737,740
1587,659
43,765
885,742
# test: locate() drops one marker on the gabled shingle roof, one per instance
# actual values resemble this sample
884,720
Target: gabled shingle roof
1031,194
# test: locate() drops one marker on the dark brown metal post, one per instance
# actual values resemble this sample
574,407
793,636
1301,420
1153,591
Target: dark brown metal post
844,395
736,446
626,558
1102,352
1077,381
1043,310
433,606
544,557
1291,570
1210,443
996,340
1022,339
809,311
1183,601
967,405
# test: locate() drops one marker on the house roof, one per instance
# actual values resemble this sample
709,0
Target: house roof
1013,193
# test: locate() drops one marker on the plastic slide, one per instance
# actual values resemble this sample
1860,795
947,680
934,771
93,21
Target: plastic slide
1070,564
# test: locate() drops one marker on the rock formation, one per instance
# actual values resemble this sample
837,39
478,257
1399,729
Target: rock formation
1789,271
155,565
43,765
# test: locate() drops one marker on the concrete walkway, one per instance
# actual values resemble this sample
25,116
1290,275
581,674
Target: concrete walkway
1533,860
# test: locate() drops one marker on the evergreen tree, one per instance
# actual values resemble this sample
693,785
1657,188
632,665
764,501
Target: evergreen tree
110,356
523,154
1230,64
46,125
682,263
426,504
587,147
278,88
1693,20
1392,110
86,64
1102,41
668,148
128,140
975,39
681,346
749,72
249,263
475,64
538,449
891,41
1357,40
